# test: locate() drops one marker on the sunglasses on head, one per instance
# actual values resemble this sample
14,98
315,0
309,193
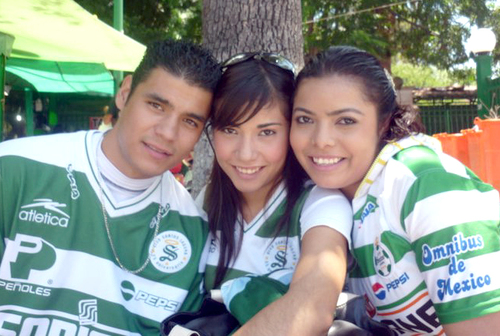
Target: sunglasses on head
271,58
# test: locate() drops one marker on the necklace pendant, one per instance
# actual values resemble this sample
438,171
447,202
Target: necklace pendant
155,223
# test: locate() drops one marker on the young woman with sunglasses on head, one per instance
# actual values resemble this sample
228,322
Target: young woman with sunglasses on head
426,229
263,218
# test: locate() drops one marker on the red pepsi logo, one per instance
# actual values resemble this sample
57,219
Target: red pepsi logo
379,291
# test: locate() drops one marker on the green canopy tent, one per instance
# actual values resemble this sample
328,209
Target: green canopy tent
61,77
48,35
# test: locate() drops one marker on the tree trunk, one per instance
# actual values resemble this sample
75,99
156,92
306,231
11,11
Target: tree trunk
231,27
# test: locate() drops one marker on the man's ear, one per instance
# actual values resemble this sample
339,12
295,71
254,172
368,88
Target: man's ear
123,93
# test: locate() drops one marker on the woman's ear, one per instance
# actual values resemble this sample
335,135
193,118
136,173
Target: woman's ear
123,93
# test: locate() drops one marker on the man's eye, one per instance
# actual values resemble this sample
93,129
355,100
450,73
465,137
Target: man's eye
155,106
191,122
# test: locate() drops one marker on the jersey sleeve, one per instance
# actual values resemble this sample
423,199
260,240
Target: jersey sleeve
452,221
326,207
245,296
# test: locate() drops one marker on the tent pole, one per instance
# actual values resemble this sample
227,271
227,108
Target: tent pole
3,61
28,100
6,42
118,25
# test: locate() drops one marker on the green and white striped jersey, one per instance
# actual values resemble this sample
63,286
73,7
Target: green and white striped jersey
58,274
426,232
263,254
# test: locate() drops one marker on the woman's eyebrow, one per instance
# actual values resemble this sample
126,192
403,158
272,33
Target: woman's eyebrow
334,112
344,110
269,124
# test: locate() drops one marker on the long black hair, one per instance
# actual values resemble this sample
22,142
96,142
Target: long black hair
395,121
244,89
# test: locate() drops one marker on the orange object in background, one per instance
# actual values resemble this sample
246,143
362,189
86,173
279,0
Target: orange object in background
456,145
467,147
491,146
476,151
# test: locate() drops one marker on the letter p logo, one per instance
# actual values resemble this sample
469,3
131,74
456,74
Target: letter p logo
27,253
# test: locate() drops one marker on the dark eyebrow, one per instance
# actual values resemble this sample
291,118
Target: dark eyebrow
167,102
269,124
157,97
331,113
344,110
301,109
197,117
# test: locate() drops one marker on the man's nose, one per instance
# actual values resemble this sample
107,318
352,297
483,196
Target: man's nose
168,127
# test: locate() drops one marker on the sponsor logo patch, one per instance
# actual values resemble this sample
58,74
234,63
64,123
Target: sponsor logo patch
459,279
128,290
397,282
24,288
129,293
44,211
28,254
369,207
379,291
87,312
458,245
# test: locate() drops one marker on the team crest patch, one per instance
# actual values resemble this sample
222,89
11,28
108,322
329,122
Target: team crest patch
382,259
278,255
170,252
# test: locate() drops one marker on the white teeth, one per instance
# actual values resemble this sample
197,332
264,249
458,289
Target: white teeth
247,170
326,161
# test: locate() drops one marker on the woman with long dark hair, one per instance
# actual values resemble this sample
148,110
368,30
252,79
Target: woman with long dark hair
263,217
426,228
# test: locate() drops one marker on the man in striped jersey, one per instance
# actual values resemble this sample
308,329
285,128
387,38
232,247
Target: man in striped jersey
97,236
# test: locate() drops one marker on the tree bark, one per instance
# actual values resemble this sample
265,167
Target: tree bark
231,27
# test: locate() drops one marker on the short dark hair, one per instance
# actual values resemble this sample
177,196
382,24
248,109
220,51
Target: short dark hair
184,59
245,89
360,65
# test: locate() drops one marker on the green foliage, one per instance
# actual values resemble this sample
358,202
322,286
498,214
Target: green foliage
465,76
150,20
421,76
492,21
424,32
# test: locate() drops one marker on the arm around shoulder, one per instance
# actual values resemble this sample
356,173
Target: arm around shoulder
309,305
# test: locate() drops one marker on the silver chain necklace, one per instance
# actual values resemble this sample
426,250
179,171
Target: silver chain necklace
157,228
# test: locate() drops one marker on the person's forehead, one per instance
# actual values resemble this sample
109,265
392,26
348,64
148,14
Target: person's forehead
176,91
162,76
